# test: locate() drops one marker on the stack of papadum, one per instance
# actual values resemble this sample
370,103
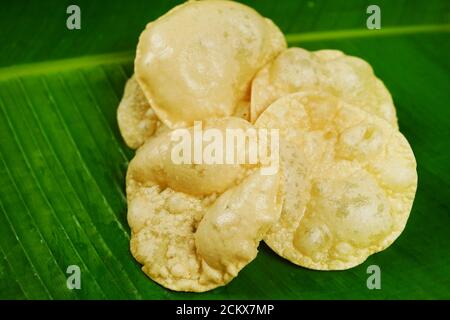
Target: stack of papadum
347,176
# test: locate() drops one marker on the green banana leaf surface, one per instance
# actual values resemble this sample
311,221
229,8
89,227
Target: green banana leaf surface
63,161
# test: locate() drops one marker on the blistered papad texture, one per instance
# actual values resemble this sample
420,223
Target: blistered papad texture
197,61
350,181
137,120
348,78
194,227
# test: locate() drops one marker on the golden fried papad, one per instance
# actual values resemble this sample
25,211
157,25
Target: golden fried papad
197,61
350,181
138,121
194,227
350,79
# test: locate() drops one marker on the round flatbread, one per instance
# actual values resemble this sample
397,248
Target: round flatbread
197,61
194,227
350,79
350,181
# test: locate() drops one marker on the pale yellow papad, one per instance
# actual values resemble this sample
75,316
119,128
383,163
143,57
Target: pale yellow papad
194,227
350,181
348,78
197,61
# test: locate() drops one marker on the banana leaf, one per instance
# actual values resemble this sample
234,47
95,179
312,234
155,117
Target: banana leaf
63,161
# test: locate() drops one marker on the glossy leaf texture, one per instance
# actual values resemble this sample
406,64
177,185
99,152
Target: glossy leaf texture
63,162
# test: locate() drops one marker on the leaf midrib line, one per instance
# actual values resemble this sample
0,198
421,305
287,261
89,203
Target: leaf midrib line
54,66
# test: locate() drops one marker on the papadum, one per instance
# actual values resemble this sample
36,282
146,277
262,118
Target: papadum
350,181
195,226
